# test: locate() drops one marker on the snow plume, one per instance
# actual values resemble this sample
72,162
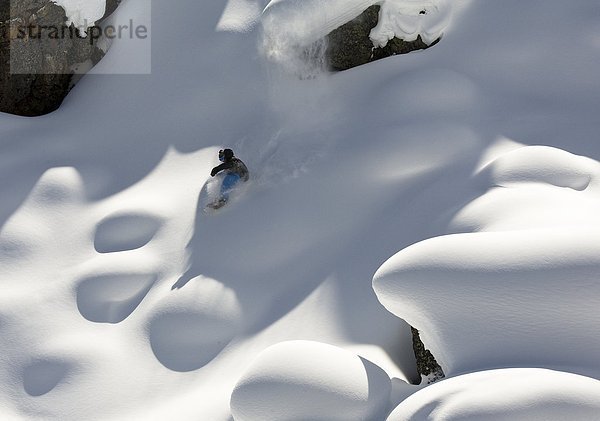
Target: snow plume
304,61
293,36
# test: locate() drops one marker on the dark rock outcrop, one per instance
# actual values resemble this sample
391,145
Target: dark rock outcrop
111,6
350,46
427,366
37,54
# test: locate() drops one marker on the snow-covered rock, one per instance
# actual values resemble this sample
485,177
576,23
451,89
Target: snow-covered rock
409,19
508,394
189,329
303,22
302,380
290,27
524,256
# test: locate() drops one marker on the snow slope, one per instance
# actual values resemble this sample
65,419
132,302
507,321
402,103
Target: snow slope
120,299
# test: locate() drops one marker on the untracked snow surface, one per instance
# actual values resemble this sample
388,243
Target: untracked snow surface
456,189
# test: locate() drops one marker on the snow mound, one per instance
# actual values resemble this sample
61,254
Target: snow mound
79,279
112,298
302,380
541,164
507,394
188,329
525,258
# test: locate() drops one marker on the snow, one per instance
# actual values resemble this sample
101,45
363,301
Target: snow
306,21
473,165
290,24
409,19
520,394
498,277
82,13
240,15
533,230
285,377
132,28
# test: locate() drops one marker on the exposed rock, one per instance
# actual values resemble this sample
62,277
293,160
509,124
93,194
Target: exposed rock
350,46
427,367
111,6
397,46
38,52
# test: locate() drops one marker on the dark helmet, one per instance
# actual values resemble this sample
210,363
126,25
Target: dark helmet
225,154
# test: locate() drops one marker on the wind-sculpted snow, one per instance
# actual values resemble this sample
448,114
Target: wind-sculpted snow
111,298
509,394
188,329
80,302
125,232
41,377
302,380
525,257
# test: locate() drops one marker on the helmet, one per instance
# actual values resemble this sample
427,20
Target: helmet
225,154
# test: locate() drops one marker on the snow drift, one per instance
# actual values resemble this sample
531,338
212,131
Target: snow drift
308,380
525,258
515,394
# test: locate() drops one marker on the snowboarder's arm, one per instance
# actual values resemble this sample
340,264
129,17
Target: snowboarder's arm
218,169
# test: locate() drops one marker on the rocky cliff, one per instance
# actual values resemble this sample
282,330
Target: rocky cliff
38,55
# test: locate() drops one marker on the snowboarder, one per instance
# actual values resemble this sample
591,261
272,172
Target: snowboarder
235,171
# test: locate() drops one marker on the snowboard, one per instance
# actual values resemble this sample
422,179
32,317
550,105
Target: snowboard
210,195
215,205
